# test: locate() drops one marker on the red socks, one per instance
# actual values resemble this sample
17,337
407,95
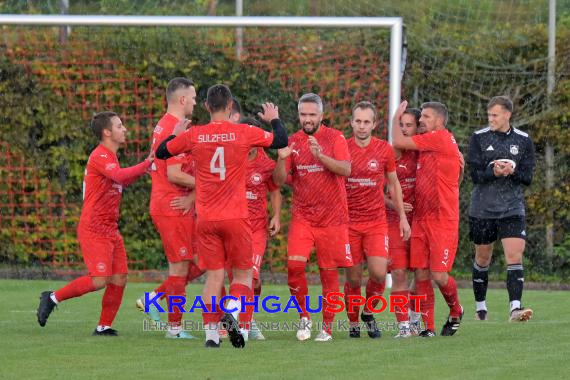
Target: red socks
110,305
297,281
175,286
194,272
351,291
449,292
329,281
424,288
373,288
401,316
245,318
75,288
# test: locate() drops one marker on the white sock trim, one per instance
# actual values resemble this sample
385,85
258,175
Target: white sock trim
52,296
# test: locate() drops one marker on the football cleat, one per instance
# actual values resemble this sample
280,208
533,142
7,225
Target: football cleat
304,332
255,333
426,334
45,307
106,332
403,334
371,327
323,336
152,313
233,330
211,344
521,315
354,332
481,315
181,335
451,325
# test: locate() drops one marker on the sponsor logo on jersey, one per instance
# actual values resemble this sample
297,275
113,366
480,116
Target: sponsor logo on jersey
514,150
110,166
310,168
362,181
158,129
250,195
489,148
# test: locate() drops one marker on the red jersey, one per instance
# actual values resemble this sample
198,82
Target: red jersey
220,151
406,171
163,191
102,188
319,195
437,176
259,181
365,186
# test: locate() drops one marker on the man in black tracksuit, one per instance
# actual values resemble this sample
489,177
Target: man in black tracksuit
501,161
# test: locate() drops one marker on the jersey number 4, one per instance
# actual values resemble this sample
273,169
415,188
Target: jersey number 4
218,164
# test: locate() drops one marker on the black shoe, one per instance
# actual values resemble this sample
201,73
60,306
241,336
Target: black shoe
45,308
481,315
354,332
106,332
211,344
234,333
451,325
371,326
427,334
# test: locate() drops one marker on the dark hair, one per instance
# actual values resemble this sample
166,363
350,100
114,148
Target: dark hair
503,101
363,106
415,112
218,97
439,109
251,121
100,121
176,84
236,107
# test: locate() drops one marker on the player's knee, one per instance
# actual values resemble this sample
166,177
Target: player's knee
100,282
399,278
440,278
422,274
119,279
178,269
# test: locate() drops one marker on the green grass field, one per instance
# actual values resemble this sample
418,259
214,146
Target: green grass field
65,348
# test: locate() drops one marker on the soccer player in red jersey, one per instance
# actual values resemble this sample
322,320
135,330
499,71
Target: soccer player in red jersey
372,164
175,227
259,182
220,150
399,249
435,228
98,232
316,162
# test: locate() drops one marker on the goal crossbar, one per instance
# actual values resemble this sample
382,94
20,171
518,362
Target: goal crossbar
395,24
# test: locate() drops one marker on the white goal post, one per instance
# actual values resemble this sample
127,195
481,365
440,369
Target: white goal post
394,23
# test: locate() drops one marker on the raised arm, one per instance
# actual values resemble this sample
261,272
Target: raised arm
400,141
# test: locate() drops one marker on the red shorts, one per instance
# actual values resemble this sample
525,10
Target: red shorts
259,243
333,249
103,255
224,240
434,244
368,239
176,234
399,251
